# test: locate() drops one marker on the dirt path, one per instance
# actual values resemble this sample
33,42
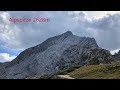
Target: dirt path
64,77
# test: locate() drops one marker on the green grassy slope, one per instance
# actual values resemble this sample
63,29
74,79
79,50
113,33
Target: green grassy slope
103,71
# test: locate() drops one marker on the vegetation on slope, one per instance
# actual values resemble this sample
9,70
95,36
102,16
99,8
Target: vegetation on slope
102,71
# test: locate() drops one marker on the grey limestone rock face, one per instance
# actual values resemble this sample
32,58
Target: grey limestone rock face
86,54
51,56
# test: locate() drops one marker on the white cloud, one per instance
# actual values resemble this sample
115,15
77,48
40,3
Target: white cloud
5,16
114,51
100,14
4,57
108,33
104,28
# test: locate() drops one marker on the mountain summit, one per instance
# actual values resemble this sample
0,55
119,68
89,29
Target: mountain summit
68,33
54,55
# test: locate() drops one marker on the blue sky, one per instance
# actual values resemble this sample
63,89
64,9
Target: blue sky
16,37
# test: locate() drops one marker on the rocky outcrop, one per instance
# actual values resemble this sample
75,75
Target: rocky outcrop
54,55
117,56
76,56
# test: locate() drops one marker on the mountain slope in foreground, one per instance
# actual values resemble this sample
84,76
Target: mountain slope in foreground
102,71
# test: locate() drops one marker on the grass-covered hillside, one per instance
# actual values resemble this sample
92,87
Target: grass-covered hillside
102,71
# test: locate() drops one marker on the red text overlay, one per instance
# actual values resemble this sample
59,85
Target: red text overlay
37,19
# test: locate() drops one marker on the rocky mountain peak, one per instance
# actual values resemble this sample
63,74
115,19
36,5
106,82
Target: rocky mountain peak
67,33
54,55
